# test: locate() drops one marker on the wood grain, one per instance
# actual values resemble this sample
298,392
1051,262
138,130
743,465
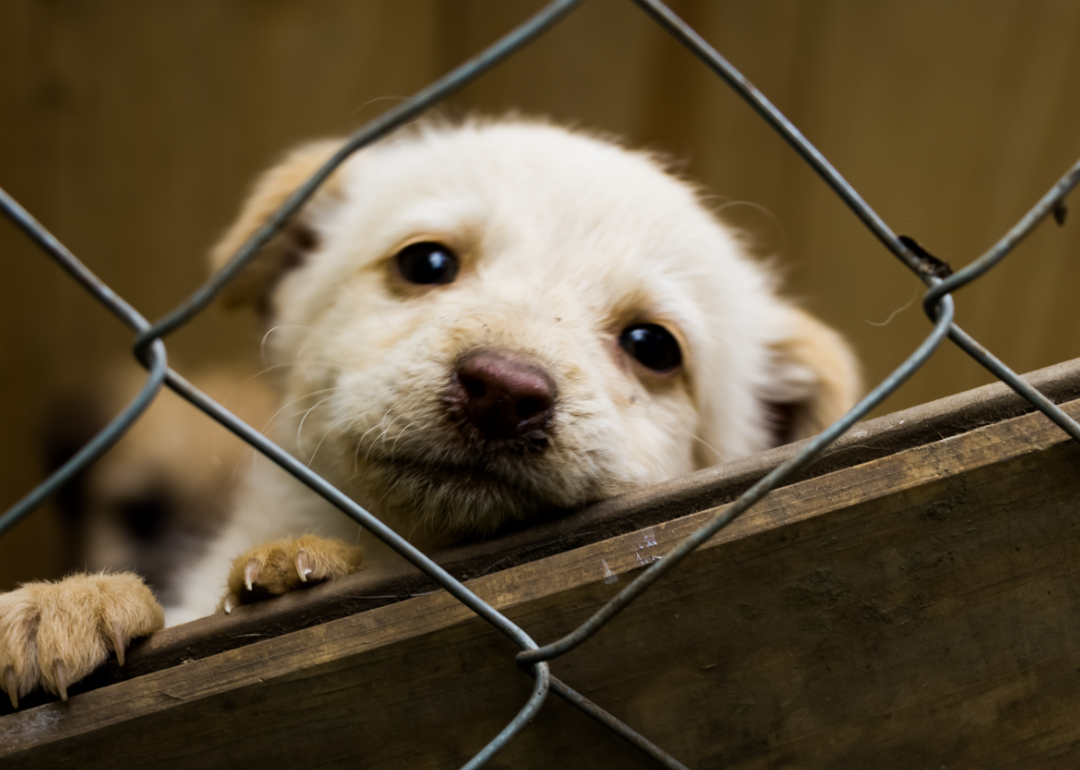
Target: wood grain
915,610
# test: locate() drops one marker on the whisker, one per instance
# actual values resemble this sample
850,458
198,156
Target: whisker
393,449
269,369
360,441
296,400
898,310
271,330
367,455
710,446
356,462
300,428
328,432
236,469
386,430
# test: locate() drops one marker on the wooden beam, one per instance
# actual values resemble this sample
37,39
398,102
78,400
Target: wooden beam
915,609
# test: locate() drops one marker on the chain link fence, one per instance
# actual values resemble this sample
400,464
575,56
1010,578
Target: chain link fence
535,659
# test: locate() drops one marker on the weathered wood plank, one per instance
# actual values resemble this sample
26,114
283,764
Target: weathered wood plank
917,609
627,513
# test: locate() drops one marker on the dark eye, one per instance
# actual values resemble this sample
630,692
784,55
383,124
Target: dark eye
652,345
427,262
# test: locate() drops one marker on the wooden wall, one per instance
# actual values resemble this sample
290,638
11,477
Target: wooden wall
132,129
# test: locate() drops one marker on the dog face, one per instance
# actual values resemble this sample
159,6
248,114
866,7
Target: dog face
482,323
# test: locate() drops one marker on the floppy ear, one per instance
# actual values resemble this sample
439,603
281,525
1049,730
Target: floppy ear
290,247
815,378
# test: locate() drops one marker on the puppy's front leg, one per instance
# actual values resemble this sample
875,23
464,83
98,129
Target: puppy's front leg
285,565
54,634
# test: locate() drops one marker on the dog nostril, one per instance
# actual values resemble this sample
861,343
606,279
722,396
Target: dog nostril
503,395
530,407
474,387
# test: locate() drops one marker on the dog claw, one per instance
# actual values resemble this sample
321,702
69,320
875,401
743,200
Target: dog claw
118,644
303,565
230,602
251,573
61,680
12,687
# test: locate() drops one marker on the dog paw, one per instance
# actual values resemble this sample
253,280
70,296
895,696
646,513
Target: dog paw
54,634
285,565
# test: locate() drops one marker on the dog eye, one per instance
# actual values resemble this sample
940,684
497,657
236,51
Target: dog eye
652,345
427,263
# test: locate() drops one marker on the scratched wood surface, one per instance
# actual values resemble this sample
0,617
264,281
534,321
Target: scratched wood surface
917,609
627,513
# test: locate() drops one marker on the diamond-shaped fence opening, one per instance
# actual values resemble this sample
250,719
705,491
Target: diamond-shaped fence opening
534,658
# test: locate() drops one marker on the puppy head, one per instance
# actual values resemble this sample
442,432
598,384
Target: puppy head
480,323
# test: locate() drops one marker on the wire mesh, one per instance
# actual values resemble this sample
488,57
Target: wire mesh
149,349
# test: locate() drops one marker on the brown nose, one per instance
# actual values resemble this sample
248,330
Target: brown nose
503,395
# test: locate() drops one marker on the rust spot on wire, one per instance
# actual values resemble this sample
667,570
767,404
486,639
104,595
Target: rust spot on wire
928,263
1060,211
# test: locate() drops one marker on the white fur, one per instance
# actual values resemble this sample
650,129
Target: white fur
564,239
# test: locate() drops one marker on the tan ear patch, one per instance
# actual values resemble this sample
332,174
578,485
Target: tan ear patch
817,377
256,282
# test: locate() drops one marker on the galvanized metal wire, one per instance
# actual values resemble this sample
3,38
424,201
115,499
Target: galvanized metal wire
150,350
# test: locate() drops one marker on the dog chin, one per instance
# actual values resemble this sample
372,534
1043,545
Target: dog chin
455,500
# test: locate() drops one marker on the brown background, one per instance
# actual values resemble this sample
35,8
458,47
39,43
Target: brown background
131,130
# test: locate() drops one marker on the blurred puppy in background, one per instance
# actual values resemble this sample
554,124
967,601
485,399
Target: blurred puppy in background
479,325
156,499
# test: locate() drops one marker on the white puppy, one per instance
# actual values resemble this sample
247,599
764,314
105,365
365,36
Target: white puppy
479,325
